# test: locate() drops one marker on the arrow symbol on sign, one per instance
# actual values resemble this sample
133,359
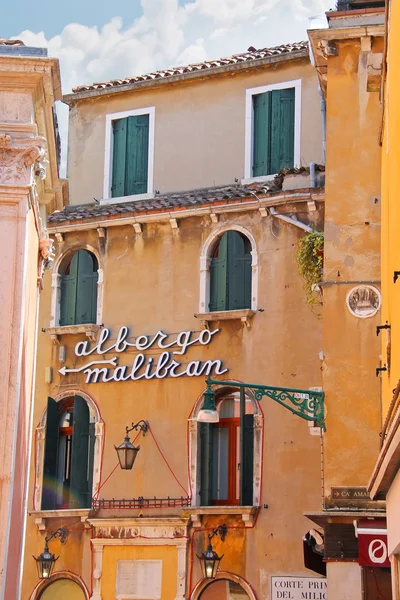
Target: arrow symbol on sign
112,361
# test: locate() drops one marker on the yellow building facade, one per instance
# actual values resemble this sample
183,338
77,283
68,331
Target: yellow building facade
348,59
184,267
384,482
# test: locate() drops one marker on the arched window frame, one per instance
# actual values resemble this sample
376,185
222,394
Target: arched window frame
223,575
56,281
205,260
194,442
42,585
40,438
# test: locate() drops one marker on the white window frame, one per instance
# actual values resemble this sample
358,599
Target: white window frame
108,156
194,443
249,131
205,261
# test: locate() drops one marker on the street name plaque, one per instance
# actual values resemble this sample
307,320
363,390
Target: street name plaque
299,588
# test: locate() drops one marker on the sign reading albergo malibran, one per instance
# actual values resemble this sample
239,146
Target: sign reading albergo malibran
168,363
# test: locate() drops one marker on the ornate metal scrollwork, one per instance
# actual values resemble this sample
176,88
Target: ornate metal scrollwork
307,404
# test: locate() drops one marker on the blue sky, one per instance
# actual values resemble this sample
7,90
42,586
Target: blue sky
96,40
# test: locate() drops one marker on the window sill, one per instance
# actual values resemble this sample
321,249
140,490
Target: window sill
227,315
41,516
90,330
247,513
122,199
260,179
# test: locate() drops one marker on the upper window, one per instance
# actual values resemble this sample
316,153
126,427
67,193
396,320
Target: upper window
272,129
79,290
68,455
129,154
220,456
230,273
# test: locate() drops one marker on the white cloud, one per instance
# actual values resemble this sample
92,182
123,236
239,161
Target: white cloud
167,34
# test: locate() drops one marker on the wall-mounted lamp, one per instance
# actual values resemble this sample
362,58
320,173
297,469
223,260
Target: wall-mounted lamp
208,412
45,562
126,451
209,559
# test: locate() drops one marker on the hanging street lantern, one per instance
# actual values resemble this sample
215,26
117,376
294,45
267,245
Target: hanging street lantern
209,560
208,412
126,451
46,560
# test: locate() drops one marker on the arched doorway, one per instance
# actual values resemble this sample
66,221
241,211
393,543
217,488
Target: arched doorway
63,589
224,589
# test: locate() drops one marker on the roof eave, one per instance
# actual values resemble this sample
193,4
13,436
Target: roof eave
175,79
263,200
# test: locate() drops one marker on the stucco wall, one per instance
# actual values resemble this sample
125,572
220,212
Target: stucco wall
199,130
349,576
390,210
352,254
151,282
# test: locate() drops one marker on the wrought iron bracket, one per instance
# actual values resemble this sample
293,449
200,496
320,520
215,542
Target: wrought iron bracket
379,370
306,404
142,425
221,530
61,533
380,327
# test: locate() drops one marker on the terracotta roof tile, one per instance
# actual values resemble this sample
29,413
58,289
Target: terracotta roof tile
247,57
175,201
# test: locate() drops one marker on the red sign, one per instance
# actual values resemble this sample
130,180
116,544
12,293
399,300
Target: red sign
372,544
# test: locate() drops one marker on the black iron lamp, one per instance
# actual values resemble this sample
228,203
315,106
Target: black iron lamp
45,562
209,559
126,451
208,412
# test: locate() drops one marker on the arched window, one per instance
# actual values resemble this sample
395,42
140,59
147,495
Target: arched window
79,289
230,273
63,589
220,456
68,455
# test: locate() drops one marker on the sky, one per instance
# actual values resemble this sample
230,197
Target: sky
96,40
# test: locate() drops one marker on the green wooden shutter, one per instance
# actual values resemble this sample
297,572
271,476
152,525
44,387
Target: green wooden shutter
282,129
205,463
120,128
261,134
137,155
248,460
50,456
86,294
92,438
239,272
68,293
218,277
79,455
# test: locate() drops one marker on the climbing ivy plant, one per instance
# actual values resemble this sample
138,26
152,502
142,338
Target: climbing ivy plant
310,258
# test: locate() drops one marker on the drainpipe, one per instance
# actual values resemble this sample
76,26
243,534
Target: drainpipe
290,220
323,114
312,175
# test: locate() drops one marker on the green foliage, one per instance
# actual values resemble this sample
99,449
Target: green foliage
310,257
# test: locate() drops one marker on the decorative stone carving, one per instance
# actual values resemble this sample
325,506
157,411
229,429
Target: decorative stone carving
46,257
17,157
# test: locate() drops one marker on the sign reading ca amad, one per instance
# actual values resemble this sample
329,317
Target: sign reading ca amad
299,588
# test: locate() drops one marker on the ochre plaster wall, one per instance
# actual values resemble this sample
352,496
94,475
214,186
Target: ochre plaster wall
151,282
391,211
199,130
352,248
